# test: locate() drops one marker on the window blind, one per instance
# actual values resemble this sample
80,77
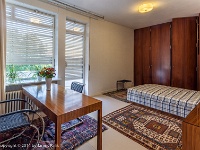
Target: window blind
74,50
30,36
74,26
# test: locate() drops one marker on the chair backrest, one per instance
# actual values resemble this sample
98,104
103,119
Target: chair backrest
78,87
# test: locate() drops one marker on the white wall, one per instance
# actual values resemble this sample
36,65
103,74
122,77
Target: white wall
109,49
111,55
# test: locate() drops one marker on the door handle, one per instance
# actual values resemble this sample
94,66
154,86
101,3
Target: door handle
65,64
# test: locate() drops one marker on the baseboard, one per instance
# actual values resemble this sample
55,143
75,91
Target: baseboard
102,92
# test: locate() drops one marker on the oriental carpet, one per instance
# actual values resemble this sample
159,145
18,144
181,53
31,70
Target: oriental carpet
154,129
119,95
71,138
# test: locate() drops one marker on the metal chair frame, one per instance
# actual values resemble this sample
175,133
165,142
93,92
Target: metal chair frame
25,112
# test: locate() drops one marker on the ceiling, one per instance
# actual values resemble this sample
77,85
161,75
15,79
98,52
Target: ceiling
125,12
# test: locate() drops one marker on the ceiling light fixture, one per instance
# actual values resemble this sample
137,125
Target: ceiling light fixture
145,7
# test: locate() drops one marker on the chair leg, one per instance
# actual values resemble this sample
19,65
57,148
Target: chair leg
43,125
38,132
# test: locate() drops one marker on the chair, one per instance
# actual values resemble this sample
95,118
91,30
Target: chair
78,87
19,119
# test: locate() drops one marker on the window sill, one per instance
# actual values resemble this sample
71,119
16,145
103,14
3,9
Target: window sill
18,86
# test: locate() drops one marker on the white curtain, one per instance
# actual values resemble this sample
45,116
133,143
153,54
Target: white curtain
2,51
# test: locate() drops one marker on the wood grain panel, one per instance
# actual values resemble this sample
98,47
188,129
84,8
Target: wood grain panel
142,72
198,60
137,58
191,54
146,42
184,60
191,130
194,116
191,137
161,56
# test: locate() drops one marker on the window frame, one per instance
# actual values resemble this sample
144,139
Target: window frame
12,17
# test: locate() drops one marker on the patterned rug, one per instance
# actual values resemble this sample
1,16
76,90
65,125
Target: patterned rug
151,128
119,95
70,138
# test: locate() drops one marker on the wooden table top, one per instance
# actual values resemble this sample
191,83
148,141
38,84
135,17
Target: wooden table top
59,100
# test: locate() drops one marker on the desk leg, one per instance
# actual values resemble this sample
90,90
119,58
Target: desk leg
57,135
99,130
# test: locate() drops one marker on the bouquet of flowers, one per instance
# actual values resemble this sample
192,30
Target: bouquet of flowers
47,72
38,69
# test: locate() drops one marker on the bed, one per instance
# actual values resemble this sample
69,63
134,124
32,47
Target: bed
173,100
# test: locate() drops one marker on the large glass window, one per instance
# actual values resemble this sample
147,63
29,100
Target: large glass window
74,52
30,42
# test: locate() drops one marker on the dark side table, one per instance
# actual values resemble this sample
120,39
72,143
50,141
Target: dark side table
123,82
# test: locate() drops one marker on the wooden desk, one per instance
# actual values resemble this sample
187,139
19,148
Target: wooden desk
62,105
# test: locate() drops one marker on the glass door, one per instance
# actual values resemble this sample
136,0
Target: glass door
74,53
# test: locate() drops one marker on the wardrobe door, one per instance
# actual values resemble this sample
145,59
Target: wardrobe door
137,58
161,57
146,55
198,60
184,54
142,71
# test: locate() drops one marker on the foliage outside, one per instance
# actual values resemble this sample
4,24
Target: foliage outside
23,73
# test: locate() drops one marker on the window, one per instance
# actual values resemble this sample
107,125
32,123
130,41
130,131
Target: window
30,42
74,52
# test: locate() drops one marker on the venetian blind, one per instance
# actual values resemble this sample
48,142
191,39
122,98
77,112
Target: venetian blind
30,36
74,50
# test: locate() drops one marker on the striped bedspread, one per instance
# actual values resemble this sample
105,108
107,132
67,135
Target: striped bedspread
174,100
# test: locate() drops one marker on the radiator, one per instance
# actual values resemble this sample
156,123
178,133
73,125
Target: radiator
13,106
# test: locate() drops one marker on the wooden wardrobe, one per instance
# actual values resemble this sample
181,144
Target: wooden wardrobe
166,54
198,57
152,55
184,53
160,54
142,56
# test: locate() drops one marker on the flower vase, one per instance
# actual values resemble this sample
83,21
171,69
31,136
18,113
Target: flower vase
39,78
48,83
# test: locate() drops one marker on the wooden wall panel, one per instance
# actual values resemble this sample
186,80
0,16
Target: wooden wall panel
191,130
190,136
146,55
137,58
177,52
194,116
184,60
161,55
142,73
198,60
